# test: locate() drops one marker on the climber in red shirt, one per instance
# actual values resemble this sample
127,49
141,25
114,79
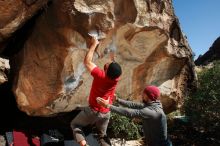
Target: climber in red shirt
103,85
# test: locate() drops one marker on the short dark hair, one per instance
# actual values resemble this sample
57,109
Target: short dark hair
114,70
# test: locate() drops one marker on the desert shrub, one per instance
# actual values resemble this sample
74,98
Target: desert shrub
202,107
123,127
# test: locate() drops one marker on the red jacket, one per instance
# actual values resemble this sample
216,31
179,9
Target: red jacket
103,87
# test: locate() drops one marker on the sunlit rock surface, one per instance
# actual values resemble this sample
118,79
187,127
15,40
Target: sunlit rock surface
4,70
50,77
14,13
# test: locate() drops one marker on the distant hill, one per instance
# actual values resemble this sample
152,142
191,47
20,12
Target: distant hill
212,54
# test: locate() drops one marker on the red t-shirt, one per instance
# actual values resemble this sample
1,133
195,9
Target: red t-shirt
103,87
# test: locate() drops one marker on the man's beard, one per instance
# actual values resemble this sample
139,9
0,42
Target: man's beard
144,101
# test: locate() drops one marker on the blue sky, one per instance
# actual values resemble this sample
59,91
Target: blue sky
200,21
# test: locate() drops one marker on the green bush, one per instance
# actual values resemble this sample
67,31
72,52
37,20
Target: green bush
123,127
202,107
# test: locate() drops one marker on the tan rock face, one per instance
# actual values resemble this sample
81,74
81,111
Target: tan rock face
13,15
144,35
4,69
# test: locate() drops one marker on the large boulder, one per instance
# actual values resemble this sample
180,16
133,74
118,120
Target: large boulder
13,15
49,75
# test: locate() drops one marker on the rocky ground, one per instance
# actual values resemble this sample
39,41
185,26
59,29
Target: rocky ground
181,133
115,142
2,141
